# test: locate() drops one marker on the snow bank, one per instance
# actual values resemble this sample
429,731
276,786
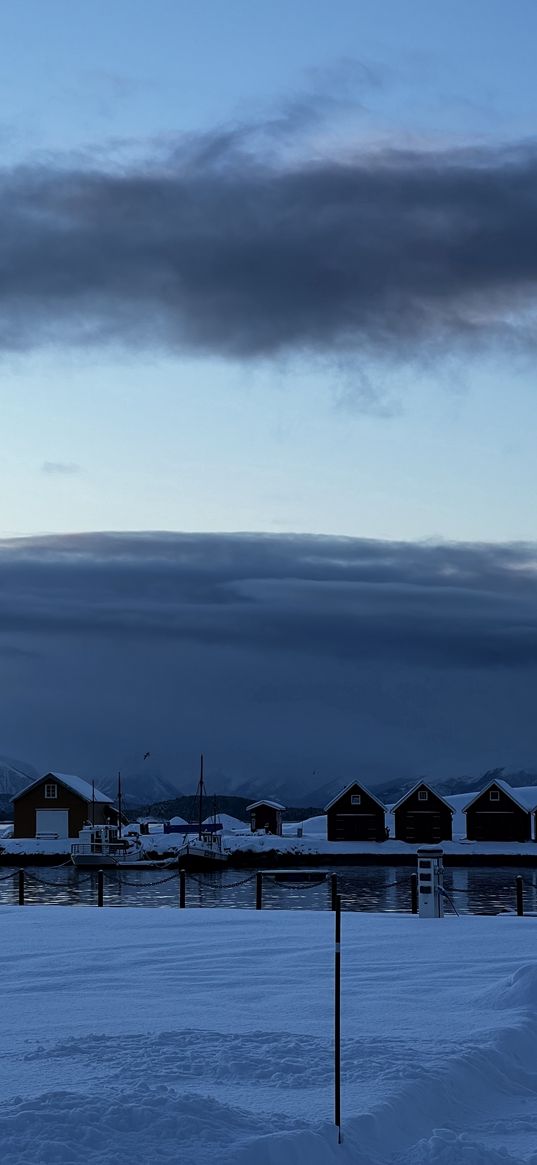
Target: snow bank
229,823
200,1036
311,827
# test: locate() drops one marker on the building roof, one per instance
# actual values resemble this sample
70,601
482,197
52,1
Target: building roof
271,805
347,789
525,797
414,789
77,785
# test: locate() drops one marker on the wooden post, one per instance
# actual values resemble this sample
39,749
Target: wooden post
21,887
100,888
337,1021
259,891
520,896
182,889
333,890
414,893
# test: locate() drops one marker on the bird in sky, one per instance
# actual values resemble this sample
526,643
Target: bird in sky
146,754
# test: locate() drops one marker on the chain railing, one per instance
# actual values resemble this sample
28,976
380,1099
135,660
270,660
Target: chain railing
337,884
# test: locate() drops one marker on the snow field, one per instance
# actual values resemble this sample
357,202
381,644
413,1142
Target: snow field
201,1036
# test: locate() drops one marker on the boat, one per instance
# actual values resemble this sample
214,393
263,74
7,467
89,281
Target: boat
203,847
102,845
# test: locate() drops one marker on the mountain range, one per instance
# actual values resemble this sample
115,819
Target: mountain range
149,789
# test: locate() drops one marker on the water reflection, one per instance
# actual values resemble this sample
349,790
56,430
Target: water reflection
369,888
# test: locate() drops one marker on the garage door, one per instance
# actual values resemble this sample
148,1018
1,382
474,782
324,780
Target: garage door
500,826
420,826
356,827
52,821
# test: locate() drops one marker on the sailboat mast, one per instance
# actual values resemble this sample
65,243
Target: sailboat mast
93,802
119,805
201,796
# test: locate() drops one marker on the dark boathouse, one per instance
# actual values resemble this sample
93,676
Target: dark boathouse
266,816
500,813
59,805
355,815
422,817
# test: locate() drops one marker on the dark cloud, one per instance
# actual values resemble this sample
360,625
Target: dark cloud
449,605
279,654
223,249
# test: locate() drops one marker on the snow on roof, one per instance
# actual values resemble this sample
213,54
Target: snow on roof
353,785
77,784
271,804
525,797
421,785
178,821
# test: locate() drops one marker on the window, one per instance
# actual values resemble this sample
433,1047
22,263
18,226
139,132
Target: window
51,792
356,799
494,795
423,795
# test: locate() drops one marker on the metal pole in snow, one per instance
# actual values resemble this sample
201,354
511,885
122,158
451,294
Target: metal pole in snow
21,887
333,891
259,891
520,896
182,889
337,1021
100,888
414,893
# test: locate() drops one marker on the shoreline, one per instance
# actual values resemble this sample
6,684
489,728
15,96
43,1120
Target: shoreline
274,859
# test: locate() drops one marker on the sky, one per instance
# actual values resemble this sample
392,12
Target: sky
267,268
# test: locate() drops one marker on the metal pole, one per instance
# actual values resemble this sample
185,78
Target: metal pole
414,893
259,891
119,804
100,888
201,798
333,890
21,887
337,1021
520,896
182,889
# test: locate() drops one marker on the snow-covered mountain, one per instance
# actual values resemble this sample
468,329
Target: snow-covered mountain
145,788
15,775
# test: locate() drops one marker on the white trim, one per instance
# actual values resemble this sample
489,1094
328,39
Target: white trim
509,792
270,804
361,789
414,789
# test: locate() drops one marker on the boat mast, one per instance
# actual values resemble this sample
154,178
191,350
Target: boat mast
119,803
93,803
200,786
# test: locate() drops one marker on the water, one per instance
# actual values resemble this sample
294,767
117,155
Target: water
370,888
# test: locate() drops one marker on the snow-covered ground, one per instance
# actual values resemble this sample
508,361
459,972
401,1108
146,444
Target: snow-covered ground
198,1036
308,846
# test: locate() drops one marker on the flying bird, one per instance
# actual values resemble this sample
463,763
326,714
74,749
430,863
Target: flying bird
146,754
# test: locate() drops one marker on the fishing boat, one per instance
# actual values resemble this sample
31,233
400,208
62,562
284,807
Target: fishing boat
101,845
203,846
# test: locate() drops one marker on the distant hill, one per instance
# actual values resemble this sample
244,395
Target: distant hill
187,808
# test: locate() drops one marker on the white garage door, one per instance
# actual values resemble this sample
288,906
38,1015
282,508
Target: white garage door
52,821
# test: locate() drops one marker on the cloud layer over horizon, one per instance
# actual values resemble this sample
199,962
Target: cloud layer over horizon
223,251
281,655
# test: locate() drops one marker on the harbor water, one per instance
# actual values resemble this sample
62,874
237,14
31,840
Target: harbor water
368,888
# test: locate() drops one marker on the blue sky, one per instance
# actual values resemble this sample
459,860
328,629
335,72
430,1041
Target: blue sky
268,267
159,440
